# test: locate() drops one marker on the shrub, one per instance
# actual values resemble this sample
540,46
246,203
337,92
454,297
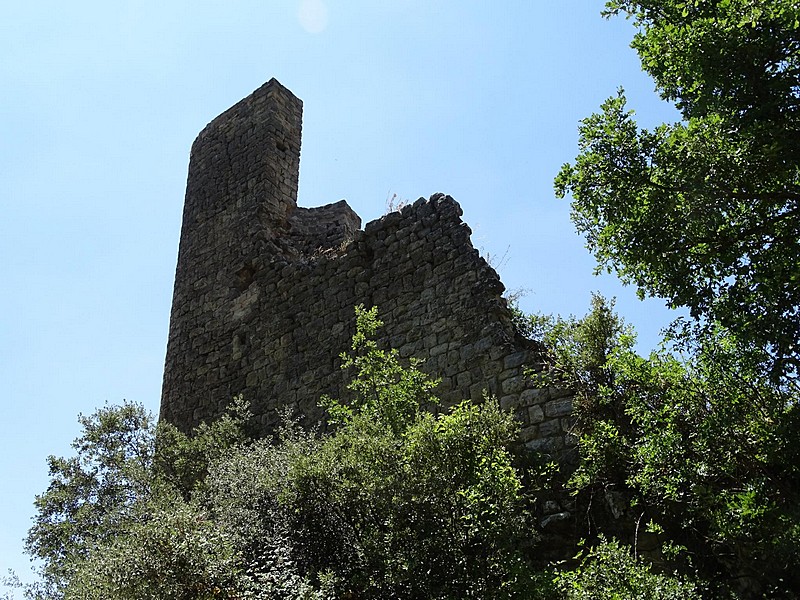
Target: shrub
608,571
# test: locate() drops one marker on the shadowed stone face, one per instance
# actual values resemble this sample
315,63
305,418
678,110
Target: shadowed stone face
265,291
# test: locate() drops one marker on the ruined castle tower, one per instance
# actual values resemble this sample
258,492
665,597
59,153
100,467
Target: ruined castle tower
265,291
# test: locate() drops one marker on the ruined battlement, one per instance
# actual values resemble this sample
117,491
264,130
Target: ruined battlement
265,291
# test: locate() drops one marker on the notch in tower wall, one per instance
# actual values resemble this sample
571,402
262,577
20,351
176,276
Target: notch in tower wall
265,291
240,215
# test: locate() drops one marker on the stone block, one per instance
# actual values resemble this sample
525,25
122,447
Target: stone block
464,379
528,433
513,385
550,428
535,413
509,402
492,368
558,408
515,360
477,391
533,396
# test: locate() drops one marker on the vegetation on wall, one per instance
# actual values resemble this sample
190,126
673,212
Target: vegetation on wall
395,502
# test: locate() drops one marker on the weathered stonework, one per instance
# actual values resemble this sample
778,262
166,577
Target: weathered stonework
265,291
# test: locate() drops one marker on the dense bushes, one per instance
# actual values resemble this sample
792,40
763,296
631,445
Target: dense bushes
699,441
694,451
609,570
396,502
694,447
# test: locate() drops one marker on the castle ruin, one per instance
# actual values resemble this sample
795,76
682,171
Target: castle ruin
265,290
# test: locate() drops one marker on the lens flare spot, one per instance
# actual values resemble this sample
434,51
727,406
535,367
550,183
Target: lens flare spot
313,15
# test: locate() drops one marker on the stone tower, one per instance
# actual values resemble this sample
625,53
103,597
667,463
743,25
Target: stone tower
265,291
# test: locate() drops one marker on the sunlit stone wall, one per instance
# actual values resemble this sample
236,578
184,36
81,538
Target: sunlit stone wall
265,291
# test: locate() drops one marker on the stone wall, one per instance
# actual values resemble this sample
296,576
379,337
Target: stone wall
265,291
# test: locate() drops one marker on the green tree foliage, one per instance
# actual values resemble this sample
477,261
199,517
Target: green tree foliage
608,570
384,391
173,550
183,460
398,502
705,212
696,441
699,440
395,503
113,517
94,492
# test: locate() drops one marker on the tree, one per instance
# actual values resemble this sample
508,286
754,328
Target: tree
705,212
402,503
118,519
92,494
608,570
694,445
395,502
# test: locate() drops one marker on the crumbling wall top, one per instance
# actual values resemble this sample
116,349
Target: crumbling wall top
265,291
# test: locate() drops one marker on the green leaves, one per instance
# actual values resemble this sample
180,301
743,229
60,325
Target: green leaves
423,505
705,212
396,502
384,391
608,570
91,494
696,437
182,460
119,520
177,552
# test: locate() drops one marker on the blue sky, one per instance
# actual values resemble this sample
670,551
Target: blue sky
102,100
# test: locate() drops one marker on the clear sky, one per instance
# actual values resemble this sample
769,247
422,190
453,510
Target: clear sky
101,101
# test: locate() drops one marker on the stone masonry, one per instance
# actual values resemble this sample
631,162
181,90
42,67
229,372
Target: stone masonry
265,291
